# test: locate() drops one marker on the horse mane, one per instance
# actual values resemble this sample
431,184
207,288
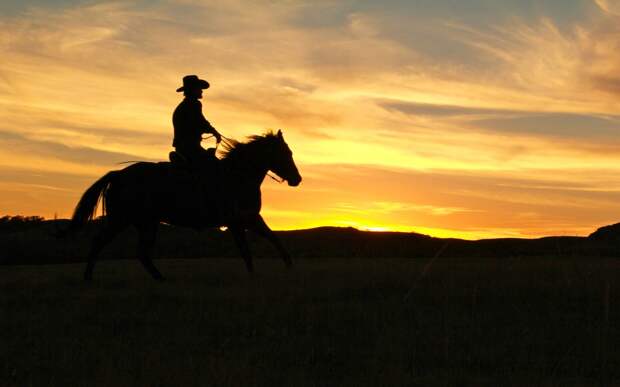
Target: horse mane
233,148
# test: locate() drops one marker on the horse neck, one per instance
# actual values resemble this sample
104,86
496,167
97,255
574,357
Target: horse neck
247,168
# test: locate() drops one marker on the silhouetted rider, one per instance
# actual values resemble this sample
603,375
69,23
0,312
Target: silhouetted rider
189,123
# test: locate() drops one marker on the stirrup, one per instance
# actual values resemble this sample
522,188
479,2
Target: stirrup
177,158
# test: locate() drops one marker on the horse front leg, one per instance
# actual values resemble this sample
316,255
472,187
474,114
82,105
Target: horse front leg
238,234
260,227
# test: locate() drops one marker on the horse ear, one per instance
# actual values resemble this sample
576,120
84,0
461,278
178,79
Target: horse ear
279,133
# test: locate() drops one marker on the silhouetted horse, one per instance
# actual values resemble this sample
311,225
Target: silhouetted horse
145,194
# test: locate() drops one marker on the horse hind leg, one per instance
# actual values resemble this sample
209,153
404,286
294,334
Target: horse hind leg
146,235
102,238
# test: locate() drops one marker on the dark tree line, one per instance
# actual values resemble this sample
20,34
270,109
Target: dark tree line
18,223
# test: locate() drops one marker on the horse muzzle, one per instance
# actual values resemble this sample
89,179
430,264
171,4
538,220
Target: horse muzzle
294,182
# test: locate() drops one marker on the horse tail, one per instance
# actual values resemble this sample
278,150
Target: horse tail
87,206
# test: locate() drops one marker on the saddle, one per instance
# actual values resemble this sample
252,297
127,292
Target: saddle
179,159
202,172
202,175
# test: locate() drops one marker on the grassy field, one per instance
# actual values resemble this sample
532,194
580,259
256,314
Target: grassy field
328,322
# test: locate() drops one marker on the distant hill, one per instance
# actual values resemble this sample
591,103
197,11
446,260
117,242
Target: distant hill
33,242
609,233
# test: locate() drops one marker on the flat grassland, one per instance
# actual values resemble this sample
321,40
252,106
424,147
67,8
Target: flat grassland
327,322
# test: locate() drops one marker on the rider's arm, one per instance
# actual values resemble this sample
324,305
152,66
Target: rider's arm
205,126
208,128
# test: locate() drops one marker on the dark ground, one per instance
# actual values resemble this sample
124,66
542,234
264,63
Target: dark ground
329,322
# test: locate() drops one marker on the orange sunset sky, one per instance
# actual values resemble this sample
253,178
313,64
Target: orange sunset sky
470,119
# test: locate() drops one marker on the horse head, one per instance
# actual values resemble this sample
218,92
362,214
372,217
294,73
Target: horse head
281,161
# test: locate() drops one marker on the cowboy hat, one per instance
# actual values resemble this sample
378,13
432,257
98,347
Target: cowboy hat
193,82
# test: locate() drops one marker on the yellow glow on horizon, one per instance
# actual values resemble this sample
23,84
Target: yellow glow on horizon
430,231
